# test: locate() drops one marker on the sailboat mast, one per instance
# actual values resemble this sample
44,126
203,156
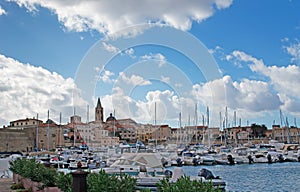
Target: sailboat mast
220,124
87,113
114,122
48,134
156,131
196,122
281,124
37,132
208,133
74,131
180,128
60,131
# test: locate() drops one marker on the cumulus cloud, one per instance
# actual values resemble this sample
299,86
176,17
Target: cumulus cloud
247,95
26,90
2,11
168,106
110,16
165,79
110,48
293,49
157,57
106,76
133,79
283,79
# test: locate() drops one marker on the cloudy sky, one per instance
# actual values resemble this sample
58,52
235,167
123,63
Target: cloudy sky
173,56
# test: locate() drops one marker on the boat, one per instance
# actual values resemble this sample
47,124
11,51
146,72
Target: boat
207,160
207,176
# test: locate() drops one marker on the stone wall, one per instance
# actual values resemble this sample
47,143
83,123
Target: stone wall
24,139
14,140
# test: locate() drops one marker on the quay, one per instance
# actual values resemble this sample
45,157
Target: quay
5,184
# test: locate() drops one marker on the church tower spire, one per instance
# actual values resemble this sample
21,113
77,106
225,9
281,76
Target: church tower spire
99,111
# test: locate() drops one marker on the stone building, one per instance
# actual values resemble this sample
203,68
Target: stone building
286,134
95,133
31,134
99,112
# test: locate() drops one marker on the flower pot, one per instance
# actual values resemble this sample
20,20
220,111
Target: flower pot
36,186
16,178
26,183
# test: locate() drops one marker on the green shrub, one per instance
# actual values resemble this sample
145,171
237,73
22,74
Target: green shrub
104,182
49,177
185,184
64,182
17,165
29,168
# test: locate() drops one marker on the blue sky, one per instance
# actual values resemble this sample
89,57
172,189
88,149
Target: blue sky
47,62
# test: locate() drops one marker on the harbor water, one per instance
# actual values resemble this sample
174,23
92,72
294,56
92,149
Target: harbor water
255,177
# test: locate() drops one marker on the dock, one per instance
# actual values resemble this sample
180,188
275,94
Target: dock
5,184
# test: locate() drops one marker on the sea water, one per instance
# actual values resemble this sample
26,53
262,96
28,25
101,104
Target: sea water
255,177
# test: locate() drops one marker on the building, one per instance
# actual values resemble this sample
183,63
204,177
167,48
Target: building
99,112
286,134
24,123
95,133
26,135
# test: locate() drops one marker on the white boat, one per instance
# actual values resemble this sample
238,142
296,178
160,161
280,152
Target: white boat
260,158
207,160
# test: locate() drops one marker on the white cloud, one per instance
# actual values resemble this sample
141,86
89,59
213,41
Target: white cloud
133,79
247,95
129,51
110,16
2,11
106,76
110,48
165,79
26,90
237,56
168,106
157,57
294,51
283,79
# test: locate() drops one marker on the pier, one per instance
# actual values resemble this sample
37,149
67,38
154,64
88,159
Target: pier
5,184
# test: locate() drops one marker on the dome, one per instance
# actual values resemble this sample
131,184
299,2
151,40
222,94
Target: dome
110,118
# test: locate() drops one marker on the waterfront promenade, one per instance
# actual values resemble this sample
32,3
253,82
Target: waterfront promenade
5,184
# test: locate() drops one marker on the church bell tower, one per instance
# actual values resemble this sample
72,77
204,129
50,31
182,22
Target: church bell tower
99,111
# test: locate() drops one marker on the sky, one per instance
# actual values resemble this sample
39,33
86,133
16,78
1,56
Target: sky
158,62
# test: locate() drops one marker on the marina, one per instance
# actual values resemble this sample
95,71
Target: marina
244,168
